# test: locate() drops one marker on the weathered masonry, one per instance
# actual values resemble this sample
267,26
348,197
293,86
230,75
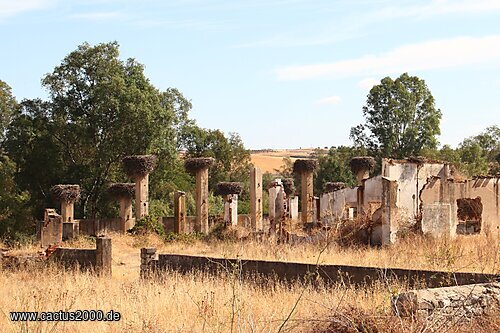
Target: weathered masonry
416,192
153,262
98,259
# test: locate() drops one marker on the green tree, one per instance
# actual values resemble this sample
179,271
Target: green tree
7,106
480,154
232,159
401,118
100,109
334,167
15,215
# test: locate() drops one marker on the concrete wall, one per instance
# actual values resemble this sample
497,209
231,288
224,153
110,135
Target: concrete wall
439,199
420,192
98,227
69,257
290,271
98,259
411,178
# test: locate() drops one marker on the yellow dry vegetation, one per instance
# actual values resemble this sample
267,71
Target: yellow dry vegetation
198,302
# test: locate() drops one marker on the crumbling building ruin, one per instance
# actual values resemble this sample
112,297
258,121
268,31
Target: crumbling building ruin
418,192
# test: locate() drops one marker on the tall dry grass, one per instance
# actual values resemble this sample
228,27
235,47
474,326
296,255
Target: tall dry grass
198,302
475,253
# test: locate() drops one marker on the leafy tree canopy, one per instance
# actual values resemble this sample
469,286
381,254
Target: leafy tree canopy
232,159
401,118
7,106
100,109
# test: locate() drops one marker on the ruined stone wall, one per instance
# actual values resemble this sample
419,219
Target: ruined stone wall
342,199
335,205
292,271
372,194
452,302
412,177
98,259
97,227
440,210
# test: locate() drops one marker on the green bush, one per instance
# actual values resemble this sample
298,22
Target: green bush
149,223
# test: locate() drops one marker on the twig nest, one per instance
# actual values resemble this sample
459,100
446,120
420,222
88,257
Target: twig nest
198,163
362,163
288,186
139,165
65,193
417,159
334,186
304,165
226,188
121,190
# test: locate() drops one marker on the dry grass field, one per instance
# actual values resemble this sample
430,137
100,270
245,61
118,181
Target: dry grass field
200,303
270,161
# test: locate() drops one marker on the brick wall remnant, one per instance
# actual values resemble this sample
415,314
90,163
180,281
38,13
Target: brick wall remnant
148,257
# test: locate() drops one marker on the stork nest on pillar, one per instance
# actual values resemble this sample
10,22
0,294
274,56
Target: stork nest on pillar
121,190
362,163
198,163
139,165
334,186
289,186
65,193
304,165
417,159
226,188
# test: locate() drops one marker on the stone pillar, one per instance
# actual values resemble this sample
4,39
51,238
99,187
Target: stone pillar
179,212
230,191
201,224
103,256
390,216
199,166
256,199
280,212
307,197
305,168
67,195
123,192
231,209
125,213
138,167
141,197
67,211
148,257
273,191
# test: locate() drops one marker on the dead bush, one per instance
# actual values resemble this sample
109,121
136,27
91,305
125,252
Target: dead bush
354,232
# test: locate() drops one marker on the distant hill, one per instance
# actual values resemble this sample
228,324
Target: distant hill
269,160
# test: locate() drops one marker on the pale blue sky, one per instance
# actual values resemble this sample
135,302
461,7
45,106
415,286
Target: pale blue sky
281,73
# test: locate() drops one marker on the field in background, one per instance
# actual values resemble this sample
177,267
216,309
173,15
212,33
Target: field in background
198,302
270,161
